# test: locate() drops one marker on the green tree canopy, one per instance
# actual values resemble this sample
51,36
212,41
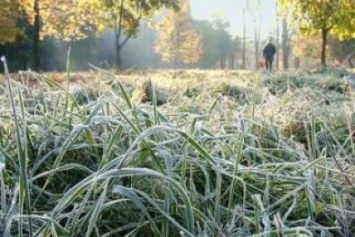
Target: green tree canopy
336,17
217,44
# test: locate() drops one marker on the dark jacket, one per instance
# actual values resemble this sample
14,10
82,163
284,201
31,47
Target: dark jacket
269,51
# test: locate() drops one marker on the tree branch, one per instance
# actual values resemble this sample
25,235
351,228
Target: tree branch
129,36
119,32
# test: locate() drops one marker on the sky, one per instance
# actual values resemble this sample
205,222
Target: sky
231,10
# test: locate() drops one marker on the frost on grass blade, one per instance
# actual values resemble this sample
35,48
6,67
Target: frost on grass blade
2,163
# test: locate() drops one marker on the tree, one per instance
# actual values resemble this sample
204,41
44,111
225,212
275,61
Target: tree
33,10
307,48
244,40
9,15
324,16
234,52
217,45
253,7
124,17
210,53
277,37
59,18
224,43
342,50
285,44
178,42
287,31
345,20
19,52
70,20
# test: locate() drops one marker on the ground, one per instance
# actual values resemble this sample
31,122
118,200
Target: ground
188,153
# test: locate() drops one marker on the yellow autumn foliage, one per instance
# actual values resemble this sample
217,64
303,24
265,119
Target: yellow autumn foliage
178,41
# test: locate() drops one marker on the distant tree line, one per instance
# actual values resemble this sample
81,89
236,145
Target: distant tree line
36,34
326,21
125,33
30,26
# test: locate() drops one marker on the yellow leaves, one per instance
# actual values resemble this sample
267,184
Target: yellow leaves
307,46
8,21
28,7
66,19
177,41
311,15
74,19
192,47
8,35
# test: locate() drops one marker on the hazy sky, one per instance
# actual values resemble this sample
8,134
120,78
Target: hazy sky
231,10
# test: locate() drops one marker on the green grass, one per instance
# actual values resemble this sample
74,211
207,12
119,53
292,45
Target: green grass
226,154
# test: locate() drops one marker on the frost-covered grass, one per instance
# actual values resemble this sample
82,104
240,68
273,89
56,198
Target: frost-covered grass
223,154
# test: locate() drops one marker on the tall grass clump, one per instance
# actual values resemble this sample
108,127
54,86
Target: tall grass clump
222,156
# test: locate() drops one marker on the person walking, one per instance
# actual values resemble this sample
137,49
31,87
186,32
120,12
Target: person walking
268,54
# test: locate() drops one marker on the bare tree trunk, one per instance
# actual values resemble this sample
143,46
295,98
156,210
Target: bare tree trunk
277,37
256,22
36,36
222,61
118,60
324,47
232,61
256,47
177,50
118,34
285,45
244,41
118,54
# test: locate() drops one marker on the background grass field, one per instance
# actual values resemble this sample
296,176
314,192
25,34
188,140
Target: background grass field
164,153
